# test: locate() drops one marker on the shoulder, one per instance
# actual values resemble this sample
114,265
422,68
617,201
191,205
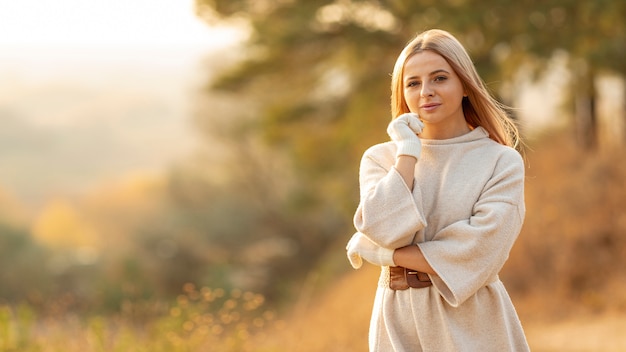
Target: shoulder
506,152
488,157
507,163
502,154
510,157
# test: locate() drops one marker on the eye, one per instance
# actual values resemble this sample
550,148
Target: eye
440,78
412,84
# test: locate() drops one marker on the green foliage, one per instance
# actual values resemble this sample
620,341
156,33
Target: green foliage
256,236
25,274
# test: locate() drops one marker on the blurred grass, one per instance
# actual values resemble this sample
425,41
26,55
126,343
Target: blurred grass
202,319
565,276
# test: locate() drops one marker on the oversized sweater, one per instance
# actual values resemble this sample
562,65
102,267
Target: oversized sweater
465,212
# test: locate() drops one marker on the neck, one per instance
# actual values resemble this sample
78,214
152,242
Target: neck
437,131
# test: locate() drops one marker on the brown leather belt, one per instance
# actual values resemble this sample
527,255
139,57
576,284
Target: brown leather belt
401,278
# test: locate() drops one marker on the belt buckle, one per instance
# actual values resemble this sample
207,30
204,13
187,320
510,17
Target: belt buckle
417,279
423,278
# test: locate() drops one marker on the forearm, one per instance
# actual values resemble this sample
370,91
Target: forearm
411,257
405,165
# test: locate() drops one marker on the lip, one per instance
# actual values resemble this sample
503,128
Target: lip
429,106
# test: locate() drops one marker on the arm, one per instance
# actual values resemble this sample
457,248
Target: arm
411,257
389,211
403,131
405,165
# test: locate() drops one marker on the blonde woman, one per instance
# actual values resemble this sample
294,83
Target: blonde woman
441,205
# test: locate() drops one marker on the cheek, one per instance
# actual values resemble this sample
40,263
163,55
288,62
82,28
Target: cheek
453,96
459,97
411,99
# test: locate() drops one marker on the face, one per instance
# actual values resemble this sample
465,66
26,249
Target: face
434,91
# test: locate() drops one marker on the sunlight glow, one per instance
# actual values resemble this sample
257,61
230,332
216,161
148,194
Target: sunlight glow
93,90
94,23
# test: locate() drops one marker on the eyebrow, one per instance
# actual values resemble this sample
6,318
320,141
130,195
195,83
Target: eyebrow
430,74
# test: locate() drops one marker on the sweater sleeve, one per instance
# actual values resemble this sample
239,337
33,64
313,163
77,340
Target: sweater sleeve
388,212
468,254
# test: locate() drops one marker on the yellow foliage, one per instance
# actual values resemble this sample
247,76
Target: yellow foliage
116,209
60,225
135,191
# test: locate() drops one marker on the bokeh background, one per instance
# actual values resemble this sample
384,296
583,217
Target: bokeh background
181,175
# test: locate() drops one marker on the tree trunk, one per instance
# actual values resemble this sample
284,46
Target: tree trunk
622,140
585,109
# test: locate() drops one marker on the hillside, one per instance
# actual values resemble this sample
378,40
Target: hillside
77,120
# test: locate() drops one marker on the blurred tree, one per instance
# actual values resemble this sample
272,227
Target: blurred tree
592,33
309,93
24,276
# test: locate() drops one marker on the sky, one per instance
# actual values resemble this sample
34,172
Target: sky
92,90
39,38
96,23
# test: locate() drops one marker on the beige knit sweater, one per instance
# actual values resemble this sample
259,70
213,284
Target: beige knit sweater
465,212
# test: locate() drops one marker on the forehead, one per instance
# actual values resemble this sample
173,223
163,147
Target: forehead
424,63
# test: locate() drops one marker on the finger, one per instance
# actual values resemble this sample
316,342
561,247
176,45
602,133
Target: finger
416,124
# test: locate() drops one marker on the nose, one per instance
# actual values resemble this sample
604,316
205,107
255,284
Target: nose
427,90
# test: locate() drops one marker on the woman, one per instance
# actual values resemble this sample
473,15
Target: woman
440,212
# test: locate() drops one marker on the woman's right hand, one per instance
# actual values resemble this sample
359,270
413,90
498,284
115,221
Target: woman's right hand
403,130
360,246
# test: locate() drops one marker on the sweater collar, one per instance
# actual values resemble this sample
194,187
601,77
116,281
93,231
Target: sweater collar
473,135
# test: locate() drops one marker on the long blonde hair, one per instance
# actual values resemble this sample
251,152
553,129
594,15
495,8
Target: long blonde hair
479,107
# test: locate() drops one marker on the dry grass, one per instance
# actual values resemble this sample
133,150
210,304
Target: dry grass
336,321
201,319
